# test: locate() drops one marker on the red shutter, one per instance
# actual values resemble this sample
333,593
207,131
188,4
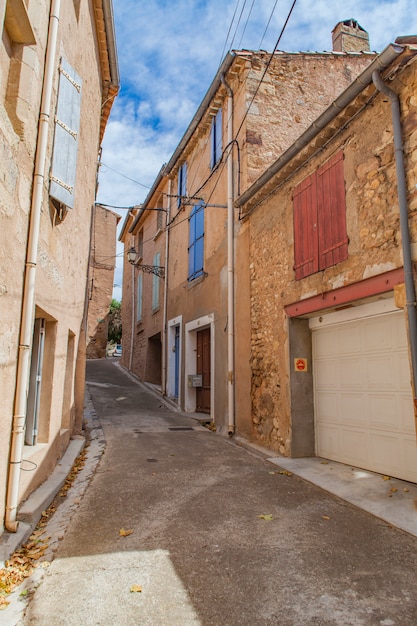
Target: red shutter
331,211
305,228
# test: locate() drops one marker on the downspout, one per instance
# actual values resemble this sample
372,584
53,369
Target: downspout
230,266
404,227
26,324
132,330
165,314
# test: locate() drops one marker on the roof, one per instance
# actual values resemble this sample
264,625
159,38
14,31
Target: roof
393,56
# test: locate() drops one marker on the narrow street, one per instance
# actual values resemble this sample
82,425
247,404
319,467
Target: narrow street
219,536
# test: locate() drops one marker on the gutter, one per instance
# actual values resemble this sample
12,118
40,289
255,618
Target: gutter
382,61
404,227
111,42
28,301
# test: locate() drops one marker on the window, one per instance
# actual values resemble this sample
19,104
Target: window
159,220
320,235
139,298
182,183
67,123
216,139
140,244
196,247
155,283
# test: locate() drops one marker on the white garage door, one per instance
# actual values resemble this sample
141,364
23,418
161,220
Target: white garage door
362,392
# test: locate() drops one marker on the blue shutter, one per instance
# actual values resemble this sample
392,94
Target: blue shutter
67,124
155,282
196,239
139,300
182,182
216,138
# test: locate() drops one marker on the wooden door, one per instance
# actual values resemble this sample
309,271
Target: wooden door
203,368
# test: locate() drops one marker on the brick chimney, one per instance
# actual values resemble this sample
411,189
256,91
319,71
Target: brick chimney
349,36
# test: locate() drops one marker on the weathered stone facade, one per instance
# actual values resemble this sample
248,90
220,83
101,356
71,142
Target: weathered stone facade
268,115
374,249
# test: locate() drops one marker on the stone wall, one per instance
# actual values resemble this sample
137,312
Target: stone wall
374,247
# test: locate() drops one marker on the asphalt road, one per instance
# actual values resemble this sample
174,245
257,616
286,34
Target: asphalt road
219,536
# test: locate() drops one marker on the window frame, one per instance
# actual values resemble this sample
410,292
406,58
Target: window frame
182,184
156,283
139,298
216,139
196,242
319,219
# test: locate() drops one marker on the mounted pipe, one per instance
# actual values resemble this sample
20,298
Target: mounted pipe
230,266
26,323
164,322
404,227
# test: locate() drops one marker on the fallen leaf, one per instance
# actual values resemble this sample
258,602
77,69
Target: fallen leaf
406,490
267,518
324,462
285,472
135,589
386,478
325,517
125,533
394,489
24,593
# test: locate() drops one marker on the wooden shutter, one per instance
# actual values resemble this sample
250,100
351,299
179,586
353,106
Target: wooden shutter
67,124
305,228
331,210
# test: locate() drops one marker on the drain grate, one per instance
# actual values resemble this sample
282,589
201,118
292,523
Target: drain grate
181,428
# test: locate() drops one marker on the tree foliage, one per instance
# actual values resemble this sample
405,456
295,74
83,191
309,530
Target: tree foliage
115,322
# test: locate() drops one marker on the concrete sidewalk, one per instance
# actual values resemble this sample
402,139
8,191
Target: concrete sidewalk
180,526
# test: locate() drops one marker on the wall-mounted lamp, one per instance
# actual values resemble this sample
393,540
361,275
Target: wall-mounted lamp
150,269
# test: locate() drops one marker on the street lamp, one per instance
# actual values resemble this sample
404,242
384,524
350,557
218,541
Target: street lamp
150,269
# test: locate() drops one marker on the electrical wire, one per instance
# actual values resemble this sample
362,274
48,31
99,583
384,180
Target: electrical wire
124,175
267,26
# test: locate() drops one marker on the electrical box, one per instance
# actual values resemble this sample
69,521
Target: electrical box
195,380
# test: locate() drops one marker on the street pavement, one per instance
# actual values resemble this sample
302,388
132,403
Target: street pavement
180,526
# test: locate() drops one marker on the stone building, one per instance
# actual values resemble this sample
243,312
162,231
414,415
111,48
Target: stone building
332,233
101,278
55,99
256,107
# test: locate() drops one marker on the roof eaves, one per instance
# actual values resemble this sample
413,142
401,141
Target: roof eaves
227,62
382,61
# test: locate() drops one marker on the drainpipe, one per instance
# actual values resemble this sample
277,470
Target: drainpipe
132,333
164,321
26,324
405,233
230,266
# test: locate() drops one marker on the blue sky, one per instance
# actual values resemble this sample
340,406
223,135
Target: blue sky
170,51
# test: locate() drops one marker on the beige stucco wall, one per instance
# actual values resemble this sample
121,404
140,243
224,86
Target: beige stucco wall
63,246
374,248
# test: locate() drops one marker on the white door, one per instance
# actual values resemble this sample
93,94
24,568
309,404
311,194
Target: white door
362,391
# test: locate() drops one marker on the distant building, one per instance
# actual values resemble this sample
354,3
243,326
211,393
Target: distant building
55,99
100,279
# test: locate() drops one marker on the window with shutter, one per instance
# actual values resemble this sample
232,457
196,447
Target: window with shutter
196,240
216,139
67,123
155,283
319,207
139,298
182,183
